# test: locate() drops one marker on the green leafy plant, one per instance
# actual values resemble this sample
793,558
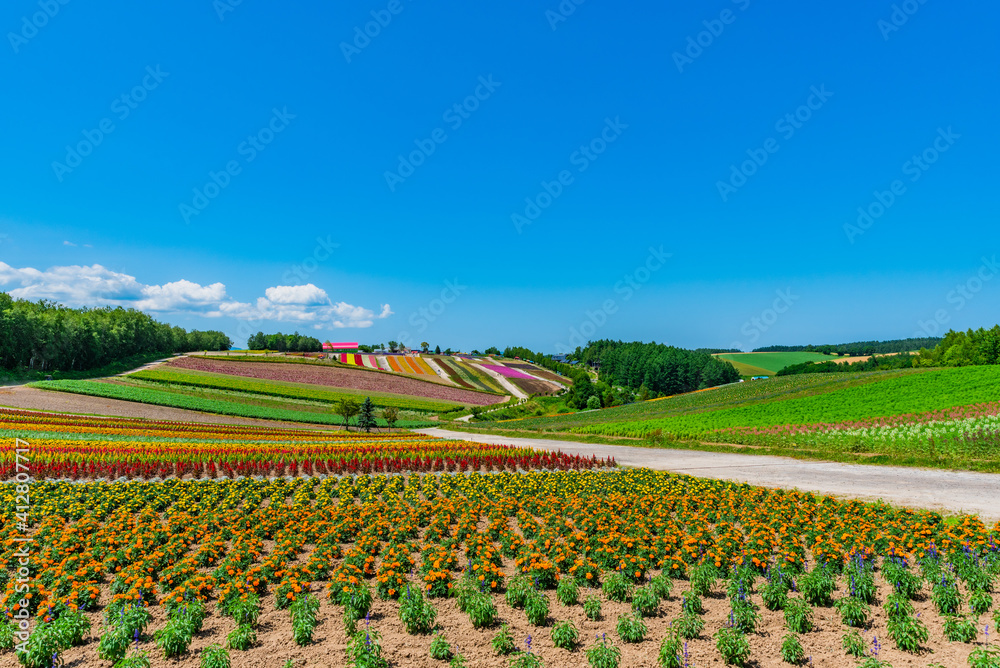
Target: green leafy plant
897,605
662,585
440,648
503,642
416,612
215,656
853,644
43,648
72,628
798,615
303,612
959,629
565,635
817,587
242,638
617,587
134,660
946,597
984,657
174,638
603,655
733,646
980,602
592,608
874,662
526,660
365,651
114,644
645,601
671,652
536,608
691,603
853,611
518,590
907,632
482,611
775,594
791,649
567,591
688,626
631,628
744,615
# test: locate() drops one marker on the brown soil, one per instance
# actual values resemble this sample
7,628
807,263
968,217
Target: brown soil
275,645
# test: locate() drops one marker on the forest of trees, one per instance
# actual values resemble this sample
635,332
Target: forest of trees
46,336
971,348
295,343
898,361
858,348
655,367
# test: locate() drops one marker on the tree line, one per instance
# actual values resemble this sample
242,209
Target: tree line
859,348
655,368
970,348
285,343
47,336
880,363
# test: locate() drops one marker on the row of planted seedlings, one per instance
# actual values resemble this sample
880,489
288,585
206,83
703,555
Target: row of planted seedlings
409,538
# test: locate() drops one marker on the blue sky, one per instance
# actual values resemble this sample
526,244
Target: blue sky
588,140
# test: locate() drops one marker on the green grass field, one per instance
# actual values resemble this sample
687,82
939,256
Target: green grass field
283,389
768,364
887,395
727,396
206,401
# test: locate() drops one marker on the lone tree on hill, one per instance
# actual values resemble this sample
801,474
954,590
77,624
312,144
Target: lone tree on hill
346,408
425,346
394,346
390,414
366,415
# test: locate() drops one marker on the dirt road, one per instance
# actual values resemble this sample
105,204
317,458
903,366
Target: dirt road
946,491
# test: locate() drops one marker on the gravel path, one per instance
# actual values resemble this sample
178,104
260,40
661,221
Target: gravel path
947,491
30,398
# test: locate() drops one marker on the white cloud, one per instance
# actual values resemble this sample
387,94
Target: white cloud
98,286
307,294
68,243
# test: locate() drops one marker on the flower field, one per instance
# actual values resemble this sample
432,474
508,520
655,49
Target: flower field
338,377
967,432
206,402
507,372
505,569
282,389
70,447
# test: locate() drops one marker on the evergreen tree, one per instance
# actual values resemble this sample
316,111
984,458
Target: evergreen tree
366,416
437,350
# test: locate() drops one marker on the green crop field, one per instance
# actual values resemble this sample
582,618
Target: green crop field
893,394
737,394
274,388
772,363
208,402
